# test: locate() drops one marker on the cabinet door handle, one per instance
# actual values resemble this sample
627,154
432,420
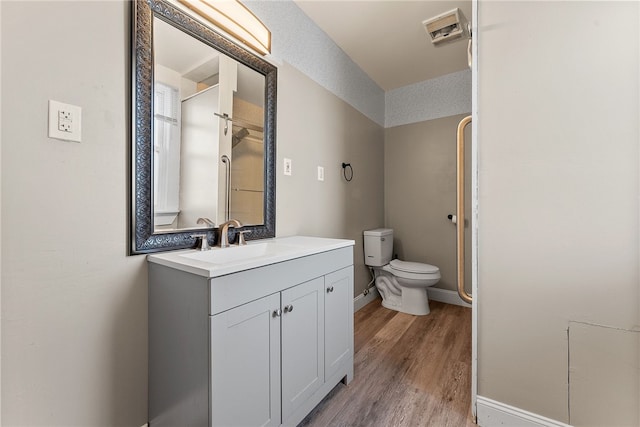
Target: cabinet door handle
288,308
330,289
277,313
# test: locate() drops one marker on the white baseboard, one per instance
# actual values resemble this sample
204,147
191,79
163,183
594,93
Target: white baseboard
492,413
446,296
362,300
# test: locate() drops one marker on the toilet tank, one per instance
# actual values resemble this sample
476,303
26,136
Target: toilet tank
378,247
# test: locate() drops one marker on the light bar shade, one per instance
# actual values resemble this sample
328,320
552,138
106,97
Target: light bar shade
234,18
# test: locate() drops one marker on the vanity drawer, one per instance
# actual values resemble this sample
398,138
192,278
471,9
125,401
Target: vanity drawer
239,288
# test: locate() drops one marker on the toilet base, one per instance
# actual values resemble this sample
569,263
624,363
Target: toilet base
413,301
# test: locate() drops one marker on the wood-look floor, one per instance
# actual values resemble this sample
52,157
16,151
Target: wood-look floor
409,371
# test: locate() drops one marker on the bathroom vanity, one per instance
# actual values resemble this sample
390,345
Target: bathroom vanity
249,336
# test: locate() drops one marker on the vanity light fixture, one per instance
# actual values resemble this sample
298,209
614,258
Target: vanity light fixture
235,19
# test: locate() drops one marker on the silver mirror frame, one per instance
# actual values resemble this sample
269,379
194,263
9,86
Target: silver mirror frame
143,237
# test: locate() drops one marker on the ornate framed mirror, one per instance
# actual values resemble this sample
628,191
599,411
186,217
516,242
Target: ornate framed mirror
203,132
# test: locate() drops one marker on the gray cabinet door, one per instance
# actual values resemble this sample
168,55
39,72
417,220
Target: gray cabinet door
338,320
302,343
245,365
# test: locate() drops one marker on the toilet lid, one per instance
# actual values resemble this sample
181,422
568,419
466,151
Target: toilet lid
413,267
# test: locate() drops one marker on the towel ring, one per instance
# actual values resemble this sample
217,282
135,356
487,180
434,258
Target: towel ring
344,171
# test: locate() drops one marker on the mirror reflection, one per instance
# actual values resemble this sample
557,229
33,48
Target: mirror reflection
208,134
203,134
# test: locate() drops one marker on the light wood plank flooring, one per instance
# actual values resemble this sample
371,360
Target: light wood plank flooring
410,371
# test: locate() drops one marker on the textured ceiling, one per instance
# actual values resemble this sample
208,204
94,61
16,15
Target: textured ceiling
387,39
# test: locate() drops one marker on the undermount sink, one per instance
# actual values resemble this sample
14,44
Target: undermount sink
236,254
222,261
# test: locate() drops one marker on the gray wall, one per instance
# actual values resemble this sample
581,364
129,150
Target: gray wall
74,325
316,128
74,305
558,203
420,191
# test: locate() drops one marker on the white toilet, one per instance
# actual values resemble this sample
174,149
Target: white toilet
402,284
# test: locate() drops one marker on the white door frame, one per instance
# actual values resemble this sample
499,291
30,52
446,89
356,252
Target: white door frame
474,207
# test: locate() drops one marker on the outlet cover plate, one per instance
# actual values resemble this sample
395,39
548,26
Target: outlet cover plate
65,121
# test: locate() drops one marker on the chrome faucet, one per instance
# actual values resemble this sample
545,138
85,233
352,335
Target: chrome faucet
224,231
205,221
204,244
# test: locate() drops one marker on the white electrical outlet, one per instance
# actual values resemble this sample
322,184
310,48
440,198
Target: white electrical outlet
287,167
65,121
320,173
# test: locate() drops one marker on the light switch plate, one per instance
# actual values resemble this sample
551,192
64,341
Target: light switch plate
320,173
65,121
287,167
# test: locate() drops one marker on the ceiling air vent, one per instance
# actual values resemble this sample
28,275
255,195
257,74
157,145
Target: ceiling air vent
446,27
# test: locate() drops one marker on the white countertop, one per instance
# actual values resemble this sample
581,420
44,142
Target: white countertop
257,253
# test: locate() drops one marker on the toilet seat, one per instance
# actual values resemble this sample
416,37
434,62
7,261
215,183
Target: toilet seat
412,270
413,267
